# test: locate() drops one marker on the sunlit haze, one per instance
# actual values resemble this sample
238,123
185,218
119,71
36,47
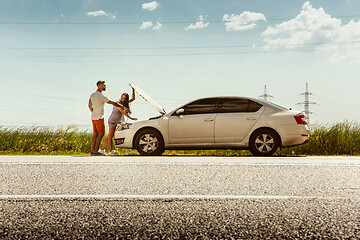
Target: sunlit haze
54,52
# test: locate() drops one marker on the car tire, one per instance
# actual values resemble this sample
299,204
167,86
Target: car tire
149,143
264,142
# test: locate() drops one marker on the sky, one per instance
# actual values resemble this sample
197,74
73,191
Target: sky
52,53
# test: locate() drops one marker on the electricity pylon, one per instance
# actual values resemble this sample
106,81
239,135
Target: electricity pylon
265,96
307,103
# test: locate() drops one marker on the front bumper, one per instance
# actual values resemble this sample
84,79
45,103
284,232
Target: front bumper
119,141
124,138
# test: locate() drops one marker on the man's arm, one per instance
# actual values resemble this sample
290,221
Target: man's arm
115,104
118,105
90,106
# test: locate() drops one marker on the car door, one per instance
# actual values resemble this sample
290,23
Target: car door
195,124
235,118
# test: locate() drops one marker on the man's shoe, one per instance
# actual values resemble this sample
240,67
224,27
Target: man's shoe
102,152
97,154
113,153
93,154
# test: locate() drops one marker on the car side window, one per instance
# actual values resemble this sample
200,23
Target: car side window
202,106
230,105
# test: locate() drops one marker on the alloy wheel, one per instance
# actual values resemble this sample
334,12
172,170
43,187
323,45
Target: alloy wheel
148,143
264,143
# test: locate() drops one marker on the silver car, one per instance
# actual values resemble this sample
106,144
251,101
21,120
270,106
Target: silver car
227,122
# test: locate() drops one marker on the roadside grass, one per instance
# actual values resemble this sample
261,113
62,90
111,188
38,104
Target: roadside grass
44,140
337,139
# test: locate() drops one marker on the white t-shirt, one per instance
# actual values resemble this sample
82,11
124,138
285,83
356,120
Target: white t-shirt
98,101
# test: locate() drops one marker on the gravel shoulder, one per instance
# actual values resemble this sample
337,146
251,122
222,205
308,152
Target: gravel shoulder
180,219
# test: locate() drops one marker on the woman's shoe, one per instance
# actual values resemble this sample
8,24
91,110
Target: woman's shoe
113,153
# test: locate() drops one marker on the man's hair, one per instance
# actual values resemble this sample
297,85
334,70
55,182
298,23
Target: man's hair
100,82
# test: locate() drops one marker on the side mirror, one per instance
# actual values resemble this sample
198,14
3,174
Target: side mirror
180,111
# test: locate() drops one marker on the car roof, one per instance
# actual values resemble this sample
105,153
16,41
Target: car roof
240,97
260,101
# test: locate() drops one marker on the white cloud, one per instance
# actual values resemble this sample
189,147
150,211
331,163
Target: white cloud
157,26
151,6
242,22
314,29
198,25
101,13
150,25
146,25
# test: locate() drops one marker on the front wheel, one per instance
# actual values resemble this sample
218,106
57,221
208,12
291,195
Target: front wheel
264,142
149,143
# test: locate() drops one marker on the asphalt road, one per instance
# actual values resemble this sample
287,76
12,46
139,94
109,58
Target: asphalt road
179,197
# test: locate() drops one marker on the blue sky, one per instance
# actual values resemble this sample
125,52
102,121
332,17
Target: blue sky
53,52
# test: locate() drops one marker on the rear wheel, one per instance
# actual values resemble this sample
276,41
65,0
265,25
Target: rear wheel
149,143
264,142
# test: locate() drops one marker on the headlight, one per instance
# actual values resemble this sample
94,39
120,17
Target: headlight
123,126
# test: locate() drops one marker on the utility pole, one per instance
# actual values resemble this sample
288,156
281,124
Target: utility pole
265,96
307,103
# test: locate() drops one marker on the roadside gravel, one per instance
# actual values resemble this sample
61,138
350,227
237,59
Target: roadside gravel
180,219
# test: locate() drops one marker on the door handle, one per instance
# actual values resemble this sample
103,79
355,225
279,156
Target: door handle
251,118
208,119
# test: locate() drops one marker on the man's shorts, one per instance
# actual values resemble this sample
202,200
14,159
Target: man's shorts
98,126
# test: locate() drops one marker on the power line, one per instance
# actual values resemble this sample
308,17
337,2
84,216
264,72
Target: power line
26,95
163,22
49,100
173,47
183,54
36,79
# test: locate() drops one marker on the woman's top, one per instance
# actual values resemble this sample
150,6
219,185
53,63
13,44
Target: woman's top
116,116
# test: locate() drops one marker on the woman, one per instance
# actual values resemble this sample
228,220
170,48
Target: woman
115,118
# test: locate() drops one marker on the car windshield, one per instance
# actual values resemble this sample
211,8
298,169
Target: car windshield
284,108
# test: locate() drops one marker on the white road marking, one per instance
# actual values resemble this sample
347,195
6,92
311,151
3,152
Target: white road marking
184,163
184,160
49,197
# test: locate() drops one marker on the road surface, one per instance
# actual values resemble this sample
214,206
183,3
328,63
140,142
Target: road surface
179,197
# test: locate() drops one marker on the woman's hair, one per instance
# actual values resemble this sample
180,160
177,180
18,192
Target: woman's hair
125,103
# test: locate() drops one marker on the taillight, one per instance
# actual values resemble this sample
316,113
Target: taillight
300,119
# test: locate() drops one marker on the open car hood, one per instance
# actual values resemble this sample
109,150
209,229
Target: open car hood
148,99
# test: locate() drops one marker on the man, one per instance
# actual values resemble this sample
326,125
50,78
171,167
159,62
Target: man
96,105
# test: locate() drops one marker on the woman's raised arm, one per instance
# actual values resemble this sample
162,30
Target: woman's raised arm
133,95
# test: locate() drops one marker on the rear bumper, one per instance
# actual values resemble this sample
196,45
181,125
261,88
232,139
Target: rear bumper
294,135
295,140
297,143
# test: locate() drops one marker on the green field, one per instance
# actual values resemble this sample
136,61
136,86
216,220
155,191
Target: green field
336,139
